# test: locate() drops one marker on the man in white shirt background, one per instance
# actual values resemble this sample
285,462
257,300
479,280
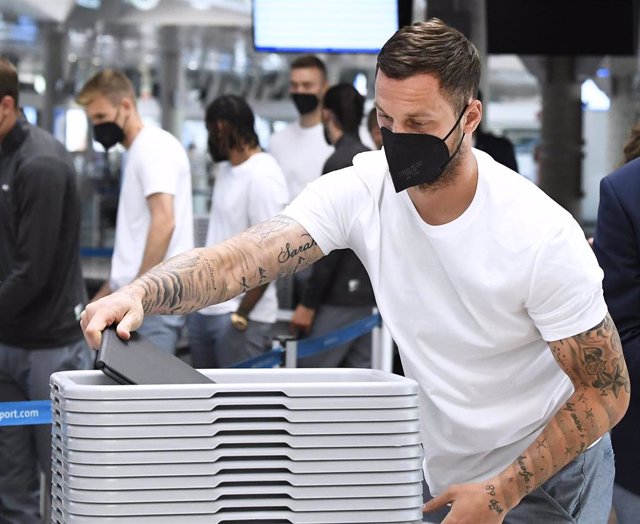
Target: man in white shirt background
155,214
300,148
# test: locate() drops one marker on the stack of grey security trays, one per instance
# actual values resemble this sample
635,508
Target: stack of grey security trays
258,445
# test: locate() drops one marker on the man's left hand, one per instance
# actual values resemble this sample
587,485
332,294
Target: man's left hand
473,503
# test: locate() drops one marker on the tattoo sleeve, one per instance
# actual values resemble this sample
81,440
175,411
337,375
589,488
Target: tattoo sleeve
209,275
594,362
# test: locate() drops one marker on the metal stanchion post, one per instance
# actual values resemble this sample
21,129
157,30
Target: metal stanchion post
291,353
381,348
290,346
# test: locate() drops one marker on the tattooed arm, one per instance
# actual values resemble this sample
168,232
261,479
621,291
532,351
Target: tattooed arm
204,276
593,361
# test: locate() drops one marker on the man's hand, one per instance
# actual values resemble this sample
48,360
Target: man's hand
473,503
123,307
302,320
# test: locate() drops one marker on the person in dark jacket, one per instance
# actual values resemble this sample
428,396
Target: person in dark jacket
616,244
41,293
338,291
499,147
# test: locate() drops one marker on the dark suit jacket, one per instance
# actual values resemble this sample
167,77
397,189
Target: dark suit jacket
617,246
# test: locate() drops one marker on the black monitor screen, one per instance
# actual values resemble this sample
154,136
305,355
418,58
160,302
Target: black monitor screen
562,27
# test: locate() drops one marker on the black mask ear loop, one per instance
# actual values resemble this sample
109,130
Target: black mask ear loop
449,134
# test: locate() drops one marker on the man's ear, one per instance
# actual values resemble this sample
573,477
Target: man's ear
473,116
127,104
8,102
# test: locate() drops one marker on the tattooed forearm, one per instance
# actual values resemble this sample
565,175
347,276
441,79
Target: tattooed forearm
594,362
211,275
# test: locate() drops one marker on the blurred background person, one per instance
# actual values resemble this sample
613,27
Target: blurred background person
338,291
300,148
41,293
249,188
499,147
155,210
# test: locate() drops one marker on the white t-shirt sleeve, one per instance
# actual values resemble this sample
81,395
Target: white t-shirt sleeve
565,296
327,208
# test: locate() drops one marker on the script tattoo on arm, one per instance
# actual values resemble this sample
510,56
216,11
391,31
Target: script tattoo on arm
594,362
209,275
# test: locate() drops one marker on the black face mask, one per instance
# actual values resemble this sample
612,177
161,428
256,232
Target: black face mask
108,134
416,159
217,155
305,102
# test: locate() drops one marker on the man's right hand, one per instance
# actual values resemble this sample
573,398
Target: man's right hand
124,308
302,320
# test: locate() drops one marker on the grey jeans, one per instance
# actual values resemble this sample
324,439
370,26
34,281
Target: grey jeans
25,451
580,493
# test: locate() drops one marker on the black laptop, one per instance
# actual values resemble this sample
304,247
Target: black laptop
138,361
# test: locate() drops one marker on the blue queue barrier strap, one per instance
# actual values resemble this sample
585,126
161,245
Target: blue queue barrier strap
26,413
270,359
315,345
96,252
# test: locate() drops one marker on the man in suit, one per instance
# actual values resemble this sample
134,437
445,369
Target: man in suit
617,247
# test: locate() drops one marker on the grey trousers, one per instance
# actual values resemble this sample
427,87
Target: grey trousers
580,493
25,451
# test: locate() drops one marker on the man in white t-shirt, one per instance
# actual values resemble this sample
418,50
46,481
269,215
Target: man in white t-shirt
155,216
249,188
489,288
301,148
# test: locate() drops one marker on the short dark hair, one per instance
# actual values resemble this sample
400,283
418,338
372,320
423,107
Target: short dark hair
344,101
238,115
9,85
434,47
310,62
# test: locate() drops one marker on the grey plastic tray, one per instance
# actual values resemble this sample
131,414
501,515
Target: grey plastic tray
220,479
247,466
244,503
326,493
252,427
284,415
274,400
243,440
409,516
293,382
266,452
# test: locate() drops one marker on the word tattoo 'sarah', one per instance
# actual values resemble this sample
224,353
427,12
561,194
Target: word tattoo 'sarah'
287,252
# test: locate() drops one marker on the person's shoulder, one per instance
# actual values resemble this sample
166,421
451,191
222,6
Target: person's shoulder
518,199
164,145
282,134
264,163
627,175
45,154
